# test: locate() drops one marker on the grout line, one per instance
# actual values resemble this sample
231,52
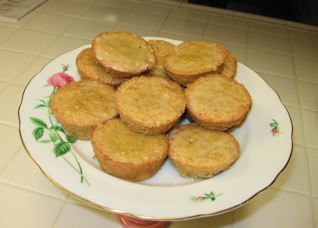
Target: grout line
269,32
271,50
9,161
164,2
271,73
304,39
312,147
9,124
292,191
248,42
17,52
303,126
307,81
31,190
209,9
306,57
300,144
24,52
229,25
60,212
275,75
136,26
164,21
7,84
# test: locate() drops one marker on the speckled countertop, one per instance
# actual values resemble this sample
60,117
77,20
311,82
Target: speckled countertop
284,53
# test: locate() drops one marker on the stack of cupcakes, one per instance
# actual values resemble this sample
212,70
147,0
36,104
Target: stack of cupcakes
132,95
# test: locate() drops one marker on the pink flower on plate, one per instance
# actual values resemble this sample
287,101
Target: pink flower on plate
199,198
60,79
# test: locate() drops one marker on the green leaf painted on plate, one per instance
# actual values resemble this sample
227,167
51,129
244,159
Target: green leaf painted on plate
44,141
61,148
54,137
40,106
57,128
71,138
38,132
38,122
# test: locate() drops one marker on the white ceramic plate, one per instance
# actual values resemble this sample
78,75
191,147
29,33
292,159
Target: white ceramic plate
265,139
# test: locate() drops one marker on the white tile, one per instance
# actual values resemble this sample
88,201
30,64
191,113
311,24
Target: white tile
105,13
152,7
6,31
22,22
32,42
144,19
218,221
192,14
240,52
27,209
77,215
295,177
313,166
8,72
305,35
62,45
70,7
137,30
177,36
298,133
271,21
304,48
228,21
9,107
127,4
88,29
306,69
49,23
171,2
33,179
269,62
284,87
269,28
186,4
315,211
228,34
301,26
308,95
269,42
276,209
310,120
184,26
31,70
10,145
2,85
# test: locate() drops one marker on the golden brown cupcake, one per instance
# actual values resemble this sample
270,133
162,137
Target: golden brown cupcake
150,105
193,59
229,67
127,154
200,153
123,54
88,68
81,106
217,102
162,50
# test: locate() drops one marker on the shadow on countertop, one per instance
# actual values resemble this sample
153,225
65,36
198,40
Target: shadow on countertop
303,11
